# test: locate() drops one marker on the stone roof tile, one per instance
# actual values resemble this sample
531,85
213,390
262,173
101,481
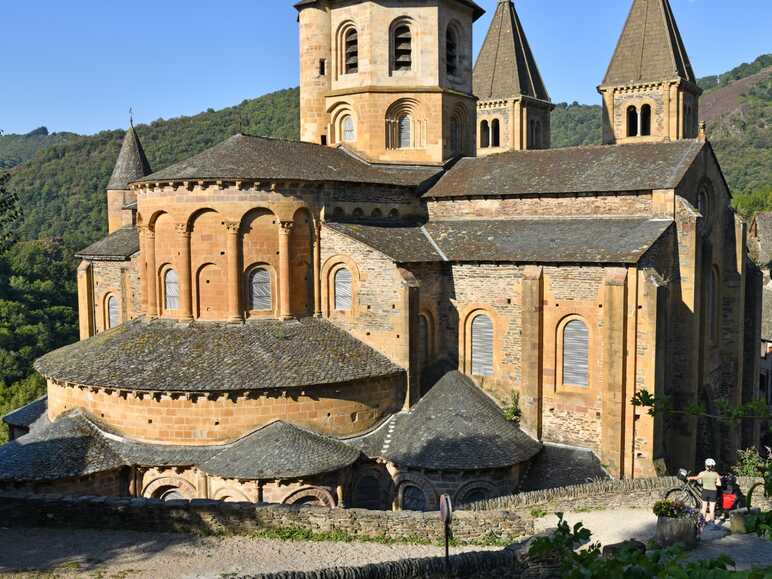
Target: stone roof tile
132,164
590,169
118,246
162,355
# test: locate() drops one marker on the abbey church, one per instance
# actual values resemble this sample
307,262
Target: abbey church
344,320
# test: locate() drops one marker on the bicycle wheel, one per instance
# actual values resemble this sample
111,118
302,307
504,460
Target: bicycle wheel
682,496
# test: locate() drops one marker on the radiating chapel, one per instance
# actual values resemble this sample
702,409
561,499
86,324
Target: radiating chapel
343,320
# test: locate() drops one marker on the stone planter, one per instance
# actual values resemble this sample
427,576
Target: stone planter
681,531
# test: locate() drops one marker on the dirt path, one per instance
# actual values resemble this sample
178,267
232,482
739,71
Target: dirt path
124,554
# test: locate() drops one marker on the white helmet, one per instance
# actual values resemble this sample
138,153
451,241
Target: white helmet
710,463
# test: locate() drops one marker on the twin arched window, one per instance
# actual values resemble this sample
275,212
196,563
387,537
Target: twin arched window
260,290
576,354
113,312
171,290
535,141
482,346
485,134
495,133
343,281
639,124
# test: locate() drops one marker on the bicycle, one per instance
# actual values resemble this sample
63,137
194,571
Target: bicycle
690,494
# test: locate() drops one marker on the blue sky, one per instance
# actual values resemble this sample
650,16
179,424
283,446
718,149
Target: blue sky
79,65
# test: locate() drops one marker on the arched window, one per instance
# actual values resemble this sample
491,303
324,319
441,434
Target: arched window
113,312
260,290
394,214
338,212
646,120
495,133
413,499
347,128
368,494
476,495
358,213
351,55
576,354
482,346
451,52
171,291
632,121
376,213
403,48
485,135
343,290
455,135
403,132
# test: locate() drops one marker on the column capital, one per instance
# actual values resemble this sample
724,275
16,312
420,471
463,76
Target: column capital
285,227
232,227
182,229
142,229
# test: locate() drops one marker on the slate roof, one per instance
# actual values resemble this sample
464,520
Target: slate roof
650,47
118,246
281,450
455,426
590,169
132,164
28,416
145,355
255,158
541,240
76,445
477,10
505,67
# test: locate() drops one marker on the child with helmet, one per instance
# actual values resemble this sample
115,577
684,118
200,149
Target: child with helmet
711,482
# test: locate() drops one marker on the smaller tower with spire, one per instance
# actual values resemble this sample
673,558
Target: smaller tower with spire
650,92
132,164
513,111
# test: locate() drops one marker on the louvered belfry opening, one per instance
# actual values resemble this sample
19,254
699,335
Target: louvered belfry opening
403,48
343,289
261,293
576,354
482,346
352,51
451,45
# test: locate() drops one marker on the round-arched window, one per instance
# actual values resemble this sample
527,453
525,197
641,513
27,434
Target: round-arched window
576,354
476,495
368,494
171,290
482,346
113,312
404,125
347,128
171,494
414,499
261,290
343,289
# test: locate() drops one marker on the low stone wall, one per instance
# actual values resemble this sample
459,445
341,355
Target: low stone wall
215,517
600,495
502,564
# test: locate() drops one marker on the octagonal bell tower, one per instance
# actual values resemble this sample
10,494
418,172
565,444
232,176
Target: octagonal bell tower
389,80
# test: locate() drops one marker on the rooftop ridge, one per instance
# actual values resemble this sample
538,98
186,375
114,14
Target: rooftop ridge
132,164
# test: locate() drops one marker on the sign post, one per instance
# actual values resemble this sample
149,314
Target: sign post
446,516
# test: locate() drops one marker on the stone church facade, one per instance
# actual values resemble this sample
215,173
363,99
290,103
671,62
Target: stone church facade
340,320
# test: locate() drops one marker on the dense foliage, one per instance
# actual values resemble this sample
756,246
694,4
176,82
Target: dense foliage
15,149
589,562
716,81
60,182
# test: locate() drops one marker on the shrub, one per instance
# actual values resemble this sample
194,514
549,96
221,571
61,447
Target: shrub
671,509
513,412
749,463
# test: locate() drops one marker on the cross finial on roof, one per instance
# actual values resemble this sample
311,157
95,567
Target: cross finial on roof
131,117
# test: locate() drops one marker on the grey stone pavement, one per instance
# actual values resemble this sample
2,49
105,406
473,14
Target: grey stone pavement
609,527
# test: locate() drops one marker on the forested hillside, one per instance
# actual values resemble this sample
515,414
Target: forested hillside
60,181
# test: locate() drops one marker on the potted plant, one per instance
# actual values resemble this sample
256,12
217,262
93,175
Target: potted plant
677,524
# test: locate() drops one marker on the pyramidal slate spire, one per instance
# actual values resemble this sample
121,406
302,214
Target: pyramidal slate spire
650,48
506,67
132,163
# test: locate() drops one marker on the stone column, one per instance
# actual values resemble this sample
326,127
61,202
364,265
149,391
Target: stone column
407,350
531,387
142,230
152,277
183,267
613,344
318,271
285,275
232,253
86,300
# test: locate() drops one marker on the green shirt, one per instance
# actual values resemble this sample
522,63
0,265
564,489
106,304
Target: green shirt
710,480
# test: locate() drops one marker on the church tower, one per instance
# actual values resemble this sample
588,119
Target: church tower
390,81
513,112
650,92
131,165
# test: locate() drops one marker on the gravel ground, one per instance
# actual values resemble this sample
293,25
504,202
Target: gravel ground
123,554
609,527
